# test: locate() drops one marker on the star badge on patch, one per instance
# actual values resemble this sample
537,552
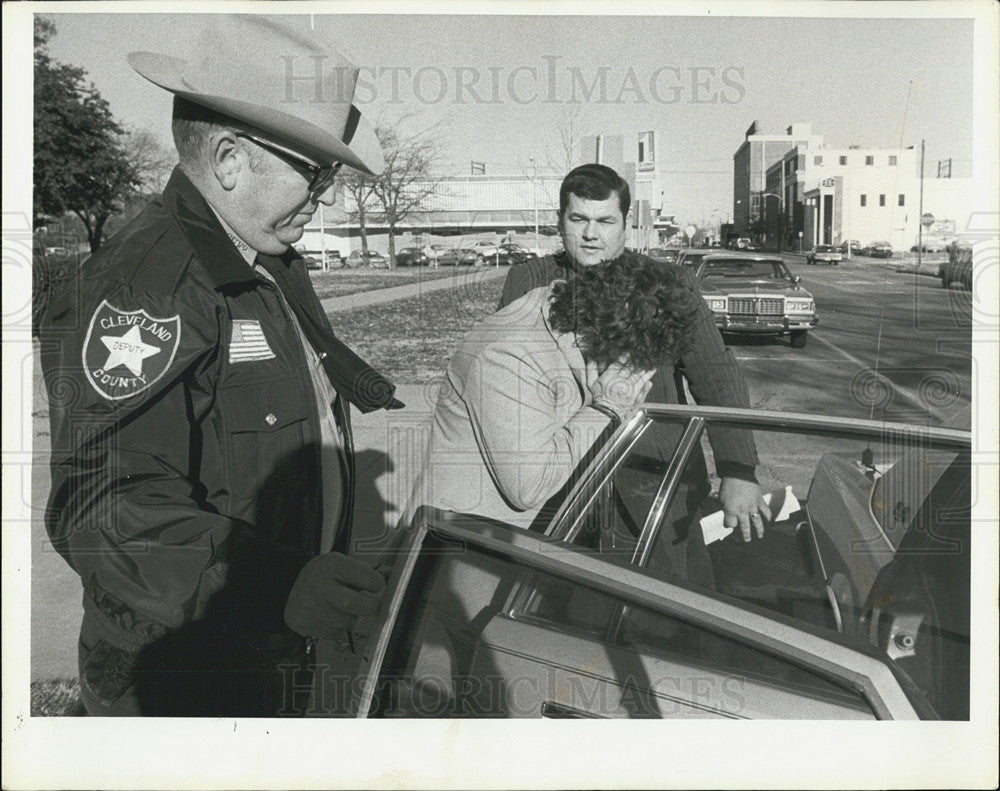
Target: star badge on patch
128,351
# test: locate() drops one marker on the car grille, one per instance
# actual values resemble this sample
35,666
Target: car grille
755,306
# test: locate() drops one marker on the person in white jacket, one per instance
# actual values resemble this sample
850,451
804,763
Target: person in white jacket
527,394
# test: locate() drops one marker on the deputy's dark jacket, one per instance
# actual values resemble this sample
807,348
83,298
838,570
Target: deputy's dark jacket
190,484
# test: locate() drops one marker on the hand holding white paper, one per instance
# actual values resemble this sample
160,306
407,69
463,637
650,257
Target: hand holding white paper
782,503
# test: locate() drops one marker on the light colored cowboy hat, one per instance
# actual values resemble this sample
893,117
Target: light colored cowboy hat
290,84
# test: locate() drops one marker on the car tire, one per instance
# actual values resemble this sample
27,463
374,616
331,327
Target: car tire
798,338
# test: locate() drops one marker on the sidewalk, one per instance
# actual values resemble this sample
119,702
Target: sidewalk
365,298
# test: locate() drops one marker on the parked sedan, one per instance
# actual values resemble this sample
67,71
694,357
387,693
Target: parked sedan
412,256
511,254
669,254
369,258
878,250
852,246
756,295
487,250
854,605
824,254
459,256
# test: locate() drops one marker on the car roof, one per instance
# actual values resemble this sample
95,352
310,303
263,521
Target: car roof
740,255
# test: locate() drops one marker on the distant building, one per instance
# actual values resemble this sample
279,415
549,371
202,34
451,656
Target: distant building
862,193
465,207
757,153
521,207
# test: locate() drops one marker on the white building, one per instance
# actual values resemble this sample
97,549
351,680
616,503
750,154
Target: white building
862,193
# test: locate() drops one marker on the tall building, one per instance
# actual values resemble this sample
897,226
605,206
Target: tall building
758,152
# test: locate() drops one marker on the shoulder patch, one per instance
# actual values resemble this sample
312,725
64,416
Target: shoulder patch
128,351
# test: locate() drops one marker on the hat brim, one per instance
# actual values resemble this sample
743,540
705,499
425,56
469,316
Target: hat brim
362,151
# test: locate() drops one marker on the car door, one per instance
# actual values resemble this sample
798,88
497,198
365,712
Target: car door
579,637
486,620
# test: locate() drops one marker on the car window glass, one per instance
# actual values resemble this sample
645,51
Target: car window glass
742,269
841,506
459,649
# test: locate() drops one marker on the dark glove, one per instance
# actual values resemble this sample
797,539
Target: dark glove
331,591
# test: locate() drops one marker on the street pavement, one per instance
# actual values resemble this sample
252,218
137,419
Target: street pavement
890,345
915,332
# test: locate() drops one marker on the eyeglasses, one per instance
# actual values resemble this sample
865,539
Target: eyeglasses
320,178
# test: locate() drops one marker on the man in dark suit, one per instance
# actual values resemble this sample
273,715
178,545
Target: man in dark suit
593,206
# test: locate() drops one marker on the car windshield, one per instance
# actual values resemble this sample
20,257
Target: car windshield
825,248
690,259
741,268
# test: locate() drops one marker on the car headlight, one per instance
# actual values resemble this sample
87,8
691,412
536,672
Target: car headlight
801,304
716,304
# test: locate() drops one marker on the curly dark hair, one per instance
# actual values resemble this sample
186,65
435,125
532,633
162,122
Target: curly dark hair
631,307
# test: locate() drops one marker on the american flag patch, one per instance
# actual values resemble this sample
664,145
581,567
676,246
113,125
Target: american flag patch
248,342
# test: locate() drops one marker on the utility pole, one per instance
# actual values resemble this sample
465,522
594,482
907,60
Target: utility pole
534,200
322,239
920,227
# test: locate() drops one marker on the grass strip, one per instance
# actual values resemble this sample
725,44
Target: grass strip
411,340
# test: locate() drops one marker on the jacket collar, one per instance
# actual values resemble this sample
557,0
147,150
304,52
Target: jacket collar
212,246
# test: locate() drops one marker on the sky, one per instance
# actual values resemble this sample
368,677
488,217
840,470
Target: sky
502,85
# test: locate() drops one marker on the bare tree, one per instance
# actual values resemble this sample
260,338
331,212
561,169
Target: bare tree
411,159
151,161
567,130
151,164
361,188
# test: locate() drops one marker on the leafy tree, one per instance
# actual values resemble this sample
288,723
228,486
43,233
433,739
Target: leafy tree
151,164
80,164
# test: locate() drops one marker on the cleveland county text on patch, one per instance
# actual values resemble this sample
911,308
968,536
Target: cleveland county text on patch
127,351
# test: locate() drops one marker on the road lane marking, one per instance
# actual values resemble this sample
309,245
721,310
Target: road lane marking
907,393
